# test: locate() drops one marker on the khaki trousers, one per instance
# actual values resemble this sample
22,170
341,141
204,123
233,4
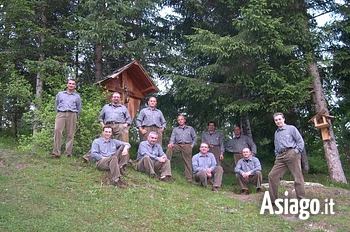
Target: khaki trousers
147,165
119,131
143,137
68,121
202,177
255,180
237,157
186,151
287,160
113,163
217,152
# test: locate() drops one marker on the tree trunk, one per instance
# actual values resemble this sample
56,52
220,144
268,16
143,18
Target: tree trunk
98,62
304,159
39,78
246,126
335,168
76,64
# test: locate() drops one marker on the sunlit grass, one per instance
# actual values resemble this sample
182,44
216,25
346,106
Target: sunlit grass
41,194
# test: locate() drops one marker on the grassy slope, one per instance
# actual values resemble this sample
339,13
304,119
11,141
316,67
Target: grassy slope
41,194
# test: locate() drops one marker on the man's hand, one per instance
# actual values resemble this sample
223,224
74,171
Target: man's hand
208,171
125,150
161,159
221,157
246,175
143,131
170,145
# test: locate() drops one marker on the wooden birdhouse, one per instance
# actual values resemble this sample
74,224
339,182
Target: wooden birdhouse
320,121
132,82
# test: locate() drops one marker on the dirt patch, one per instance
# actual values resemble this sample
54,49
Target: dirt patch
9,159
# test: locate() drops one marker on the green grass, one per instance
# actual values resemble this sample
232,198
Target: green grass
41,194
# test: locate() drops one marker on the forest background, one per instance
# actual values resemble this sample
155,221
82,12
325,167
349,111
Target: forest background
230,61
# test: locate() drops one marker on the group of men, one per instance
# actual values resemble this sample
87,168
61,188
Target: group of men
204,167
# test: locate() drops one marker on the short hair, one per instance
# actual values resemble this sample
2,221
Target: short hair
116,93
152,97
181,115
205,144
211,122
152,133
71,80
107,127
246,148
277,114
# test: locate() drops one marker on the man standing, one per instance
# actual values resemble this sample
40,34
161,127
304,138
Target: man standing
116,116
151,119
205,169
216,144
239,142
288,147
68,107
110,154
152,159
248,171
183,139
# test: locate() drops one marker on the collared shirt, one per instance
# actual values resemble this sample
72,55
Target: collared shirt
183,135
288,137
115,113
236,145
214,139
251,165
201,162
153,151
68,102
101,148
149,117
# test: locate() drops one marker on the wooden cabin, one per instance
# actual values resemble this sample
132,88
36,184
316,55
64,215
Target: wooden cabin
132,82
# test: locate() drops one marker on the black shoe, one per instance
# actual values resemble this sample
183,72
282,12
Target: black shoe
122,171
120,184
54,156
155,177
245,192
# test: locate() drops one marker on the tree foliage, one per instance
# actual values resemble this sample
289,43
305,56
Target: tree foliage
218,60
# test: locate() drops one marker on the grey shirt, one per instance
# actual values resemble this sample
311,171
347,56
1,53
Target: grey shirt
201,162
153,151
288,137
183,135
115,113
251,165
101,148
68,102
149,117
214,139
236,145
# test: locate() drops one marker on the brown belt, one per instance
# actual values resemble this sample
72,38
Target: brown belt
285,150
114,122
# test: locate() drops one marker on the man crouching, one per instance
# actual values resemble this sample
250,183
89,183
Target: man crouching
111,154
151,158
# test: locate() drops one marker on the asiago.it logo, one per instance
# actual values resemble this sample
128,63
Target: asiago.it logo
303,208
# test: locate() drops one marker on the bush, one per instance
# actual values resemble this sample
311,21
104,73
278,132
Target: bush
318,165
88,127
